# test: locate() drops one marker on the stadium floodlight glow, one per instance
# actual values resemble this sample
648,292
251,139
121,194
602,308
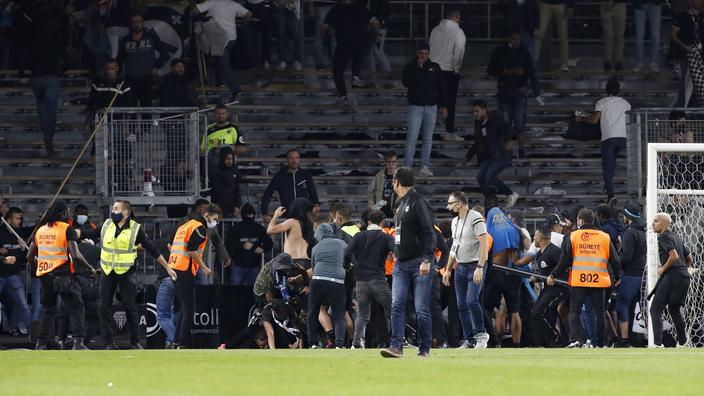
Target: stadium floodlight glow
675,185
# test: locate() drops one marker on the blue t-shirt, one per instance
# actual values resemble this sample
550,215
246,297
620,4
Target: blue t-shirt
505,234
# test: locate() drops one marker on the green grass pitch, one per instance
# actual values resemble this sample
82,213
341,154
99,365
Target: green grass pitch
496,372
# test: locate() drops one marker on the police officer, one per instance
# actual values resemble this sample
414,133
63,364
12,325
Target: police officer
119,237
222,133
53,251
186,258
593,262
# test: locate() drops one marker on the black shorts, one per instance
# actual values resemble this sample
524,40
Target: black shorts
499,283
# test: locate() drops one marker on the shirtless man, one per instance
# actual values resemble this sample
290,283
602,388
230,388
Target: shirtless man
507,241
297,230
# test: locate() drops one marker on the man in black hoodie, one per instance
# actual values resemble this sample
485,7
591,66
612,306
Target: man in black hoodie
414,270
246,242
633,257
492,147
426,91
290,182
512,65
175,90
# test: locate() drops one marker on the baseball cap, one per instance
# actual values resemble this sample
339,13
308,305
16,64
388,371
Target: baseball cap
554,219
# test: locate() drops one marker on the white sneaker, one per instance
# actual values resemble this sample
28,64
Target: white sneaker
425,172
658,346
267,65
357,82
575,344
638,68
681,345
654,68
481,339
342,100
297,66
465,345
588,344
512,200
539,100
564,67
281,66
453,137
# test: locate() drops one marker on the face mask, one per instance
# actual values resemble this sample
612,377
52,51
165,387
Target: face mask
116,217
81,219
212,223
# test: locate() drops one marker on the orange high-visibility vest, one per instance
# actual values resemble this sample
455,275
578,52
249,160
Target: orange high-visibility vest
590,257
390,260
179,258
52,247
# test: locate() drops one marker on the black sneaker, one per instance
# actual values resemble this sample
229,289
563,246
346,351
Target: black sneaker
41,346
110,346
137,346
619,66
391,352
607,66
78,344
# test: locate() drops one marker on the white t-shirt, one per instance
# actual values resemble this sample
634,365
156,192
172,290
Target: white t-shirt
224,12
613,116
555,238
465,244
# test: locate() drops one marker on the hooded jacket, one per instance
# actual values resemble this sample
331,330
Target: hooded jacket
247,231
290,186
447,45
225,184
633,250
328,255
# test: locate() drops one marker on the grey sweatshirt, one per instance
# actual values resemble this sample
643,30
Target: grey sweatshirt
328,255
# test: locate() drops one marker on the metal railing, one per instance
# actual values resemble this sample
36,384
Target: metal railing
150,156
653,125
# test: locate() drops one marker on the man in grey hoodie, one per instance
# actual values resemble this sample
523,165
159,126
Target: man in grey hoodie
447,45
327,284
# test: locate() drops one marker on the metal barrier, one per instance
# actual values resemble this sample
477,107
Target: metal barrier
654,125
150,156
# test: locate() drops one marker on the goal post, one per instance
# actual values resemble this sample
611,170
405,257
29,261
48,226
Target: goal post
675,184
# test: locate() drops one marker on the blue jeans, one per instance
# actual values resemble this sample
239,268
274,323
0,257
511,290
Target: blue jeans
223,71
527,43
589,321
406,275
628,292
15,289
36,298
468,305
653,13
609,152
201,278
289,35
165,313
488,176
513,111
243,276
46,90
420,119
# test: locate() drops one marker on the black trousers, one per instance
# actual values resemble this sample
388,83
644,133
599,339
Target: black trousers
341,59
577,297
439,329
69,289
186,287
452,84
143,89
543,315
672,294
128,295
91,304
324,292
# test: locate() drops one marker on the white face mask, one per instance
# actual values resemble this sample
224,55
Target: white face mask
81,219
212,223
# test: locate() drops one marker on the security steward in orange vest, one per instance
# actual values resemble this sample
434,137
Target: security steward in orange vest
594,268
53,253
185,259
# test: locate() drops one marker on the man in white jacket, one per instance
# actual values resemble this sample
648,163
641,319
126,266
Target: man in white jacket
447,43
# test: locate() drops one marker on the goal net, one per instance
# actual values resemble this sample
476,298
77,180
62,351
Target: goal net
675,185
